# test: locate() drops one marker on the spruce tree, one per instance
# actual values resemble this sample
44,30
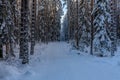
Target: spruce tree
113,26
101,42
10,29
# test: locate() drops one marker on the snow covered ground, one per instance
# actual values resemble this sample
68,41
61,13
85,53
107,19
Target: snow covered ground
56,61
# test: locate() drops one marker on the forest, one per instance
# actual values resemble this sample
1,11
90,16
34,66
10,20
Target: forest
60,27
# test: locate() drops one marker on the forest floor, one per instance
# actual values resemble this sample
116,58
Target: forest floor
56,61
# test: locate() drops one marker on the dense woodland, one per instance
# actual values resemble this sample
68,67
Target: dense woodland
91,26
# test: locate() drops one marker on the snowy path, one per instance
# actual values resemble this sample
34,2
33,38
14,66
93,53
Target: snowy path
58,63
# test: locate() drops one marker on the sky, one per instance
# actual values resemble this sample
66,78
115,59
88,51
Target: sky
64,10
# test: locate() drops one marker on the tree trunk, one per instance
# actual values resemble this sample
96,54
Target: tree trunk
33,25
24,32
1,21
1,52
113,26
92,31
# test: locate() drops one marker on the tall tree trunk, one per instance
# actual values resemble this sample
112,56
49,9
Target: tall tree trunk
92,30
24,32
1,51
33,25
77,26
1,21
79,22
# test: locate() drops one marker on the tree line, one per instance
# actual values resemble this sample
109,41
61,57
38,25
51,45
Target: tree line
93,24
24,22
90,26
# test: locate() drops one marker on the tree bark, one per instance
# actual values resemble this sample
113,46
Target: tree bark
33,25
92,30
24,32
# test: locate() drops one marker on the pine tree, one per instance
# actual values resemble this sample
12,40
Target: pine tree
9,30
55,27
76,21
84,26
17,15
7,27
49,20
65,28
42,20
101,42
79,22
113,26
71,19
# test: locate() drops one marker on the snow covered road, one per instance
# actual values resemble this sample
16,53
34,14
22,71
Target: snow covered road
55,61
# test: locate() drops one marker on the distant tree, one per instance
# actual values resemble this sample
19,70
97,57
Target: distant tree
77,22
71,19
48,20
65,28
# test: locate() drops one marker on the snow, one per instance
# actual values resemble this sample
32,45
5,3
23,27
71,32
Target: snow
56,61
